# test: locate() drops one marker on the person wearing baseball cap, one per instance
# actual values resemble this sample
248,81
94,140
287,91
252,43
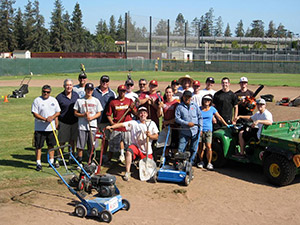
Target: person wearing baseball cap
139,131
79,88
186,83
87,109
196,93
129,90
176,94
242,94
260,118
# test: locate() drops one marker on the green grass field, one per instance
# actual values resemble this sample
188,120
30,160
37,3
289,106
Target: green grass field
17,157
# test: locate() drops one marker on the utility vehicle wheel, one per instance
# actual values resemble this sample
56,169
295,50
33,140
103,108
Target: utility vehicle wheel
279,170
80,210
218,158
187,180
126,204
105,216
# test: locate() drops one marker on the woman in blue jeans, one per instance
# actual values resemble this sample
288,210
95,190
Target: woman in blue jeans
207,111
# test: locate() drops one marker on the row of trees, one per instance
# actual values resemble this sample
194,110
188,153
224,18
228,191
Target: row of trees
26,30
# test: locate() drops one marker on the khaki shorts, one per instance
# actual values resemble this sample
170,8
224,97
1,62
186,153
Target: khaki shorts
67,132
206,137
107,133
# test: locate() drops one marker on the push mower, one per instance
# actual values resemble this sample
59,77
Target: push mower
23,89
103,204
181,170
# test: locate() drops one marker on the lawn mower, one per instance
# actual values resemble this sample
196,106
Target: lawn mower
181,169
103,204
23,89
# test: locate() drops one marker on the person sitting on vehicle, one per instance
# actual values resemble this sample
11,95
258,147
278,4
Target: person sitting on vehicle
260,118
188,116
208,113
139,130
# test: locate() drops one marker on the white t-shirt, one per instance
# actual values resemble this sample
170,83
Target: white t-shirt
266,115
94,106
180,89
138,134
132,95
45,108
198,97
79,90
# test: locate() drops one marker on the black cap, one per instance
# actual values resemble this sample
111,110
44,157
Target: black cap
46,86
89,86
82,75
210,79
187,94
129,81
104,78
174,82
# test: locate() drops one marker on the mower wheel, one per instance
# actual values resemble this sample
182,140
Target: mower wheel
80,210
126,204
105,216
187,180
81,185
94,212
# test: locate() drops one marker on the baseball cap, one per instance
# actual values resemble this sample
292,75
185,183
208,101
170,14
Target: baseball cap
154,82
174,82
142,108
122,88
243,79
82,75
210,79
89,86
261,101
46,86
187,94
196,83
129,82
104,78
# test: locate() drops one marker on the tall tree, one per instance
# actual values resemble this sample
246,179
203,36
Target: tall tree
120,30
179,25
207,26
195,26
77,29
257,28
227,32
67,38
219,27
7,39
281,31
112,27
19,34
161,28
56,27
29,21
101,28
271,31
239,31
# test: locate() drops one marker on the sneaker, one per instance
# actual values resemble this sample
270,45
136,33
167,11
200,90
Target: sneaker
56,165
127,176
200,165
210,166
122,158
38,167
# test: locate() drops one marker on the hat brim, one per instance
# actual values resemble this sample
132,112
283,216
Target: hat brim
182,78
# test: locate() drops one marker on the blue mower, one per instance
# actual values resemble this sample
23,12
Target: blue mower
181,170
103,204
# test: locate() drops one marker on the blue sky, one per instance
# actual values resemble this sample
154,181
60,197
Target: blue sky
231,11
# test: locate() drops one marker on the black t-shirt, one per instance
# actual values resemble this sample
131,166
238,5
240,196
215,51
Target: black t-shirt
224,103
242,95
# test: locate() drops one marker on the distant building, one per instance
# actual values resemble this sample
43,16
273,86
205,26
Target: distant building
183,54
22,54
5,55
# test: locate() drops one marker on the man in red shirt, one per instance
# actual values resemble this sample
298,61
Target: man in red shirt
121,109
150,100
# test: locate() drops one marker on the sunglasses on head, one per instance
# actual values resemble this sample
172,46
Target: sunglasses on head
48,92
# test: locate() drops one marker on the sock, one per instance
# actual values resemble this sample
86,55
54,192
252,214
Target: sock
51,161
38,162
122,151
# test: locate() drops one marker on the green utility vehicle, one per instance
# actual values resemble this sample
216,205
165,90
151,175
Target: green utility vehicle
278,150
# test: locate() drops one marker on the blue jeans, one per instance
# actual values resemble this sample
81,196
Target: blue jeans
183,141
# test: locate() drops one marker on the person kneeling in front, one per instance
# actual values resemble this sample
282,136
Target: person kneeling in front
140,130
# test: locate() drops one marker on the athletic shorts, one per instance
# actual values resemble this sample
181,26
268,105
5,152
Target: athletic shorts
206,137
84,138
41,136
116,137
101,126
67,132
136,153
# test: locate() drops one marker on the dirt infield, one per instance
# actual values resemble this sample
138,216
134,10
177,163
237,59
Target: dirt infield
236,194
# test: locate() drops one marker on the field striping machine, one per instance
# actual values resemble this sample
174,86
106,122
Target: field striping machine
181,170
96,205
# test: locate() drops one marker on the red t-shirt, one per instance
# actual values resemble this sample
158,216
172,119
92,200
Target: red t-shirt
153,111
118,108
169,109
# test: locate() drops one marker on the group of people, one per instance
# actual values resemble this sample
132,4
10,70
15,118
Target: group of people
130,119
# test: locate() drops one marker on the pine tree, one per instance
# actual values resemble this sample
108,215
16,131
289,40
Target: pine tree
29,21
7,39
219,27
112,27
227,32
195,27
281,32
161,28
179,25
207,27
257,28
18,30
77,29
120,30
56,28
239,31
67,40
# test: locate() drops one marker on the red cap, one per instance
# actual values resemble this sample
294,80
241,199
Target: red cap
154,82
122,88
196,83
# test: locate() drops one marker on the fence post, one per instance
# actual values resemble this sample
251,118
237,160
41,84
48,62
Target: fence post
126,20
150,34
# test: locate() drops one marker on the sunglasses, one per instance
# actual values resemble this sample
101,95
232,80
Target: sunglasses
129,85
142,84
48,92
104,81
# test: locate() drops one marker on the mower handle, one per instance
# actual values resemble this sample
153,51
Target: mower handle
56,148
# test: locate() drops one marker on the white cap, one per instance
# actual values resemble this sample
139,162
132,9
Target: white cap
261,101
243,79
